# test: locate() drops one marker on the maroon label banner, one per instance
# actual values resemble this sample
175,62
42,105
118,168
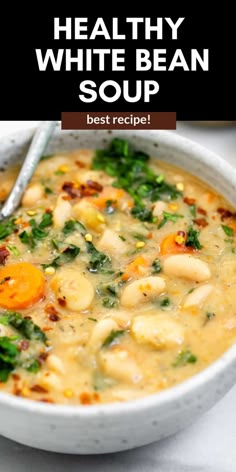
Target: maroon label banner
118,120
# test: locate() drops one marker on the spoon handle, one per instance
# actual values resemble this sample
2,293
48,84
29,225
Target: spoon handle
37,147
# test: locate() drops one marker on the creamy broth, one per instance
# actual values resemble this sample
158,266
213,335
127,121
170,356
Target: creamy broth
111,291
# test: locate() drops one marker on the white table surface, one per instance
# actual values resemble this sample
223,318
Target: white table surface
209,445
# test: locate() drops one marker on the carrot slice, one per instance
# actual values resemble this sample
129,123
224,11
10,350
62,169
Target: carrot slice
21,285
135,268
170,246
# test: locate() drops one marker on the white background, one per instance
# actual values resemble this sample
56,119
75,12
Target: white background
207,446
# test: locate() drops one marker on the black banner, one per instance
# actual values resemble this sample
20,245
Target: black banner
187,68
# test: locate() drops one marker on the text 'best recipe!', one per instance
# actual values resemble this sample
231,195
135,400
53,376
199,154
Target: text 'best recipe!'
118,120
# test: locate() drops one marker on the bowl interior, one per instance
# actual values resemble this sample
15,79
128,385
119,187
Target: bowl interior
168,147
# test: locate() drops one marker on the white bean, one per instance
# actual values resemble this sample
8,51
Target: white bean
158,330
51,380
32,195
97,176
120,364
158,208
62,212
49,166
198,296
189,267
111,243
74,288
90,216
142,290
55,363
100,332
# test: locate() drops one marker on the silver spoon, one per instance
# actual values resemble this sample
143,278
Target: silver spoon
37,147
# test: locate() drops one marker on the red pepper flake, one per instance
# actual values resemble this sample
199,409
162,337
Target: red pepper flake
24,345
4,253
85,398
72,190
46,400
42,357
96,397
225,213
16,377
16,391
94,185
38,389
181,233
87,191
54,317
200,222
201,211
50,309
62,301
189,201
80,164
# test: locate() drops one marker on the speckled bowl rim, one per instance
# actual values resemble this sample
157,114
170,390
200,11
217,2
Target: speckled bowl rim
173,394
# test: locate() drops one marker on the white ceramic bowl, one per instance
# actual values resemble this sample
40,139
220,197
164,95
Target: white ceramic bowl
115,427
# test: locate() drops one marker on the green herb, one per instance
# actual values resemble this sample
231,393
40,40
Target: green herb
68,255
100,382
156,266
112,337
169,217
109,302
142,213
183,358
165,302
122,237
46,156
48,190
160,178
228,231
56,244
98,260
14,250
26,238
37,232
191,290
134,175
46,220
74,225
193,210
209,316
26,327
92,319
33,367
229,241
105,290
7,227
192,239
113,289
139,237
59,172
8,357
